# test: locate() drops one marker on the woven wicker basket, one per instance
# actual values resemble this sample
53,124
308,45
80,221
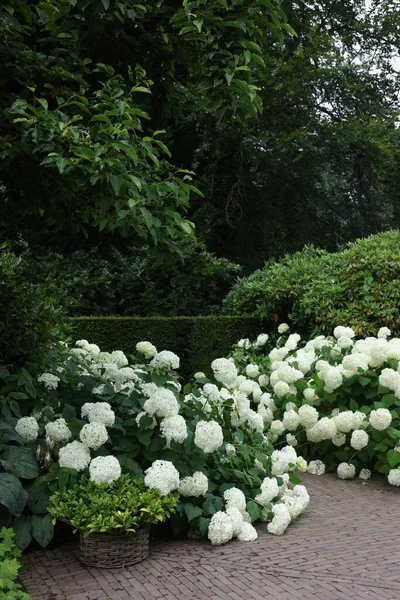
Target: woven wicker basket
114,551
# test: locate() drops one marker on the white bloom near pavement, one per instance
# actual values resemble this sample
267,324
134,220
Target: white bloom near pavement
104,469
162,403
93,435
316,467
197,485
27,428
296,500
224,371
147,349
165,360
163,476
58,430
174,429
49,381
234,498
346,471
208,436
98,412
280,521
394,477
220,529
74,455
380,419
269,490
365,474
237,519
248,533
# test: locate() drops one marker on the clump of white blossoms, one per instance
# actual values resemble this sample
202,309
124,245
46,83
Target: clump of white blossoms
49,381
365,474
98,412
197,485
341,331
74,455
165,360
208,436
308,416
252,370
269,490
162,403
58,430
283,328
220,529
316,467
93,435
261,340
394,477
346,471
380,419
359,439
147,349
280,521
224,371
174,429
163,476
27,428
104,469
234,498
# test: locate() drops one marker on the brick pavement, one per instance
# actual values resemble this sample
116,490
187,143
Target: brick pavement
344,547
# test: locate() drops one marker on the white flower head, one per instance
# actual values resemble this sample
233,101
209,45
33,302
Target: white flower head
27,428
380,419
252,370
248,533
197,485
58,430
234,498
208,436
74,455
49,381
359,439
93,435
283,328
261,340
365,474
394,477
220,529
165,360
147,349
162,403
104,469
346,471
224,371
280,520
384,333
163,476
98,412
174,429
316,467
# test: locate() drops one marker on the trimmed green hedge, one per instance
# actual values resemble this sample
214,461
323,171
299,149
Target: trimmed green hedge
196,340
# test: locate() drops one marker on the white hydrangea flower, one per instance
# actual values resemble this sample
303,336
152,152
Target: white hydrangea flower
162,403
325,429
380,419
383,333
394,477
341,331
365,474
74,455
344,421
263,381
281,388
359,439
58,430
163,476
98,412
344,343
283,328
27,428
252,370
49,381
269,490
244,343
278,354
237,519
291,440
358,419
390,378
211,391
277,427
301,464
316,467
280,520
165,360
224,371
308,416
346,471
292,341
93,435
339,439
353,363
220,529
174,429
280,461
296,500
248,533
197,485
208,436
147,349
104,469
310,395
261,340
234,498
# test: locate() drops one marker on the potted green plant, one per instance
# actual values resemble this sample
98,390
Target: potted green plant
113,521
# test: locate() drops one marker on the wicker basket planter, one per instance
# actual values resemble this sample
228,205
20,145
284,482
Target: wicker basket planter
114,551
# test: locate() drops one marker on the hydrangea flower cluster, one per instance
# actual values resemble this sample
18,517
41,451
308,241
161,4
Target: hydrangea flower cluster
163,476
58,431
104,469
27,428
233,522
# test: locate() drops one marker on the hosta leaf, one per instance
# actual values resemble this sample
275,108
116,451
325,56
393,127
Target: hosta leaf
12,494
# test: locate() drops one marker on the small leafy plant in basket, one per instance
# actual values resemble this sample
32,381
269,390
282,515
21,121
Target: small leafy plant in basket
113,521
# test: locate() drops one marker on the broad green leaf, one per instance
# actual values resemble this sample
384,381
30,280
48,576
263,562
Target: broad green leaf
37,499
254,510
42,529
192,511
21,461
22,529
116,182
12,494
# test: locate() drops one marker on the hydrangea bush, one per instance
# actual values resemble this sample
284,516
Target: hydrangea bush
336,398
99,415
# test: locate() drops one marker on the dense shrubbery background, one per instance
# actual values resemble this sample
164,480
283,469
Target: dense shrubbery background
316,291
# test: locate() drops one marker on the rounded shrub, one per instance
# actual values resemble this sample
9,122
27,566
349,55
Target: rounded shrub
316,291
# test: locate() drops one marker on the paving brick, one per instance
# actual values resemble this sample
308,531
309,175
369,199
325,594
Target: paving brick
344,547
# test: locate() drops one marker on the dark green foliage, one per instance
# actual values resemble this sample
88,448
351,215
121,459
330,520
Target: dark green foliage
133,281
316,291
29,319
196,340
